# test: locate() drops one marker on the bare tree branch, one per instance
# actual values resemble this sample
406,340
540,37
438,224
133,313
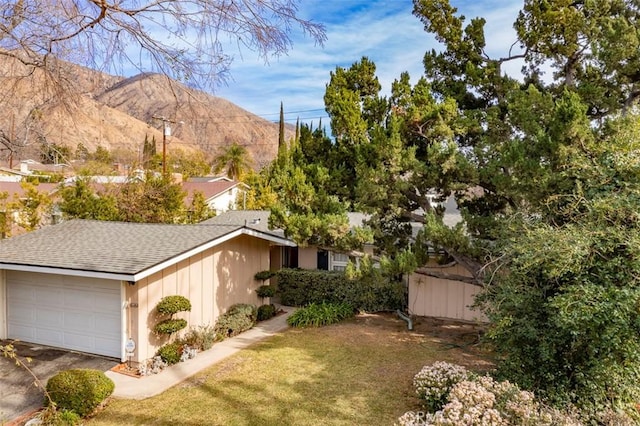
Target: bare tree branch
181,39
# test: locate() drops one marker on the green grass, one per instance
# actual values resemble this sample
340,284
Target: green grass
357,372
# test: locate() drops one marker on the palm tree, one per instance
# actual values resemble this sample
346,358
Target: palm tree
235,160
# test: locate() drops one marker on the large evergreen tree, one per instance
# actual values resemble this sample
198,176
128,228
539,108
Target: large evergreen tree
545,171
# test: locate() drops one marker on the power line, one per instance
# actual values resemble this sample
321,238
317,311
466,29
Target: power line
292,112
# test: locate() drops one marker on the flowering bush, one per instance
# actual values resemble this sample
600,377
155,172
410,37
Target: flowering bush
188,353
152,366
434,382
456,397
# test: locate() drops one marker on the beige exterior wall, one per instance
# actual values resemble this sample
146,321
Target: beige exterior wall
212,280
436,297
3,304
308,257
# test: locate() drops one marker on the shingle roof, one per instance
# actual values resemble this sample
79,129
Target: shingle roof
208,189
253,219
107,247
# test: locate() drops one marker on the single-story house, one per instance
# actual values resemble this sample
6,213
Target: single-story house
310,257
427,295
92,286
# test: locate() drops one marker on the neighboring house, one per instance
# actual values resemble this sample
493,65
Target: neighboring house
10,175
220,194
91,285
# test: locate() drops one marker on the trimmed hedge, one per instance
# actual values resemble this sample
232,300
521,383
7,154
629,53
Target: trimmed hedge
79,390
370,293
170,305
170,353
170,326
240,317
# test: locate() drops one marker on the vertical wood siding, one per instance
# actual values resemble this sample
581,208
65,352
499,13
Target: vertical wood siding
212,280
436,297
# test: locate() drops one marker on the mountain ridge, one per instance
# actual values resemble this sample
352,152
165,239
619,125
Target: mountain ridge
117,113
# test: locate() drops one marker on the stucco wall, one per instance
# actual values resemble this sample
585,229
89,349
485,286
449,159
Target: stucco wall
212,280
308,258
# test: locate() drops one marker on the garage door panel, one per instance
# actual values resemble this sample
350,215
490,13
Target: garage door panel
49,318
47,296
78,321
21,313
106,324
23,294
27,333
70,312
48,337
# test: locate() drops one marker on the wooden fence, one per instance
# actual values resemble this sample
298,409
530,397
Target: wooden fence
437,297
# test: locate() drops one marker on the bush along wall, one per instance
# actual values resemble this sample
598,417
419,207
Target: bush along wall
171,353
370,292
240,317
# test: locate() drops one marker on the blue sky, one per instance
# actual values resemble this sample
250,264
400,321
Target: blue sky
383,30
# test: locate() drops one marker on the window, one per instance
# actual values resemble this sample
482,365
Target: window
339,261
289,257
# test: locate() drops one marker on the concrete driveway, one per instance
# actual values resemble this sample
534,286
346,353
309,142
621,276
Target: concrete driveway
18,394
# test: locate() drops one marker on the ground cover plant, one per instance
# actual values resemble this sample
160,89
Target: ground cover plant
319,314
359,371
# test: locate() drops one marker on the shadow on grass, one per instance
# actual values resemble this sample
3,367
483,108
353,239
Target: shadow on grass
355,372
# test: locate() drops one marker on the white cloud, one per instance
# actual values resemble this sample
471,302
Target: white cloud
384,31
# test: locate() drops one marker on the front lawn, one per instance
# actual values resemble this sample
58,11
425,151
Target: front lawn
358,372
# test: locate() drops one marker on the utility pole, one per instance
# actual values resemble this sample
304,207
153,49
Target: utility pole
166,131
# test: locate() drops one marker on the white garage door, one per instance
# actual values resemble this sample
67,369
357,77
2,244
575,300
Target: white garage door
68,312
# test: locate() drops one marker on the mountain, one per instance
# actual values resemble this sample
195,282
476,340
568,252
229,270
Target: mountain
97,109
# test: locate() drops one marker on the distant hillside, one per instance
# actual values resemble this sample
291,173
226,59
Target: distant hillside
117,113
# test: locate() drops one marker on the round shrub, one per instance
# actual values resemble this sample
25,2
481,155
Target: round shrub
170,326
170,305
266,311
170,353
79,390
266,291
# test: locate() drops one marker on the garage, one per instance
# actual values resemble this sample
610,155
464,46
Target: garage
77,313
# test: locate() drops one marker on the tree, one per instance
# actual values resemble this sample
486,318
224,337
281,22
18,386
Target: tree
189,164
102,155
51,153
155,199
199,210
564,312
234,160
281,140
32,207
545,174
6,210
79,201
148,151
104,34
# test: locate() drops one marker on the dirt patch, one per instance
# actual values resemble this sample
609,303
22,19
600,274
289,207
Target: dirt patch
386,329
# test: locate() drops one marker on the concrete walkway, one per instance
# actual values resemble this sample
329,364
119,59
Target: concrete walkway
144,387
